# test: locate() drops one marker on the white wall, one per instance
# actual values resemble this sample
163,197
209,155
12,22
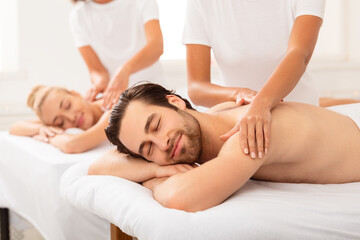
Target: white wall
48,55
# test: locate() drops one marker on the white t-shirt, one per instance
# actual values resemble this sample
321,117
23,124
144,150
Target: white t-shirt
249,38
116,32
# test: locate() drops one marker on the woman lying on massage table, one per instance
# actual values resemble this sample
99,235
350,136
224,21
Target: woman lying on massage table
59,109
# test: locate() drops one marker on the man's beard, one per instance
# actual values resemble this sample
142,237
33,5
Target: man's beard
191,151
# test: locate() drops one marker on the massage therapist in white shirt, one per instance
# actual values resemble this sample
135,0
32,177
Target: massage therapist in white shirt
120,42
262,49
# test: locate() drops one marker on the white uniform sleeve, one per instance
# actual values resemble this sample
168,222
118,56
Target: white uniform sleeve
78,28
310,7
150,11
194,27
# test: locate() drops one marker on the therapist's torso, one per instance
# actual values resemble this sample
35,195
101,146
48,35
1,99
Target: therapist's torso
116,32
249,38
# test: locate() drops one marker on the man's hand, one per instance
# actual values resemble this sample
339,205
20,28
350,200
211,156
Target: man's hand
116,86
46,132
170,170
254,127
100,81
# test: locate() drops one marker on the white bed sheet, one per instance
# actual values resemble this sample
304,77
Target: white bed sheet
30,173
259,210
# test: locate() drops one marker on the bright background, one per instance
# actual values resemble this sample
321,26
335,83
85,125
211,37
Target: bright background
36,47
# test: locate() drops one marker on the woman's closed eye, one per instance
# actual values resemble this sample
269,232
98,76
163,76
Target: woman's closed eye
68,106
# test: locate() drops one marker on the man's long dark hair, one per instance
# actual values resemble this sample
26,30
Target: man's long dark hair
149,93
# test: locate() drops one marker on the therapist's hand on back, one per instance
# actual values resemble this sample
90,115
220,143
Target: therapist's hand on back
244,96
254,127
116,86
100,80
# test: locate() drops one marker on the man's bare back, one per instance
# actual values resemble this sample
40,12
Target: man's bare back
308,145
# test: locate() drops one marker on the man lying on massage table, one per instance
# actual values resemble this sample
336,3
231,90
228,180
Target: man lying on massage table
164,137
59,109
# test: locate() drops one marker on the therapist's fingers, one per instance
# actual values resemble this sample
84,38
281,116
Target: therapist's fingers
107,96
88,94
259,138
251,136
267,136
240,101
234,130
244,136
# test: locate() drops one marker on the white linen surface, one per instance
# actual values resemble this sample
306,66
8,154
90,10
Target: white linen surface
259,210
30,173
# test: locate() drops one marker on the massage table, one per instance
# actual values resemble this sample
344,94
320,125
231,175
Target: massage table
30,174
259,210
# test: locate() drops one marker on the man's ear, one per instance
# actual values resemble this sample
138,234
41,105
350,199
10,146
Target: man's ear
176,101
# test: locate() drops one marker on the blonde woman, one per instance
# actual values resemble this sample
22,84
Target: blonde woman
59,109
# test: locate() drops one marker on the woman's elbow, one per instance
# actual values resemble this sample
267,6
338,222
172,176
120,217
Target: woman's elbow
159,50
193,93
71,148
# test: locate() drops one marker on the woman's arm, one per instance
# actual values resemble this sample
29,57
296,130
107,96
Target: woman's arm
26,128
200,89
98,73
148,55
84,141
35,129
255,123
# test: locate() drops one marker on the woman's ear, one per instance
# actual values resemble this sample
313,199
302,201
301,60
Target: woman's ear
176,101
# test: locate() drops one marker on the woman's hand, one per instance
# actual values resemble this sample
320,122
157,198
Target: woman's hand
116,86
100,81
244,96
254,127
46,132
62,142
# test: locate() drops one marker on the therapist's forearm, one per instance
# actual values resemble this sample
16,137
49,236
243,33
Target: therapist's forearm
284,78
92,60
208,94
144,58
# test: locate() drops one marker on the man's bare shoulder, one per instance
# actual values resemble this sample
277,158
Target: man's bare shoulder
222,107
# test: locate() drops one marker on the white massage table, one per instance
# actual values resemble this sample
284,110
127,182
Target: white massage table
259,210
30,173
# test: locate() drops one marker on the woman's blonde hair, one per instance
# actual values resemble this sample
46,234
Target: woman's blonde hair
38,95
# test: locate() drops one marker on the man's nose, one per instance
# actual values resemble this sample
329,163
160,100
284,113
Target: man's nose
162,142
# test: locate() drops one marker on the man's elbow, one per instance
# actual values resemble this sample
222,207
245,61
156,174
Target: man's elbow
175,200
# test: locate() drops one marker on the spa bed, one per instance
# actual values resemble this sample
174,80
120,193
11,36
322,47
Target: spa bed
30,173
259,210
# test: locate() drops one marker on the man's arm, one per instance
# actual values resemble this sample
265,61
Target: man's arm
133,169
211,183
